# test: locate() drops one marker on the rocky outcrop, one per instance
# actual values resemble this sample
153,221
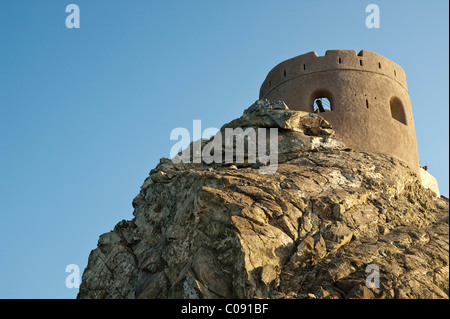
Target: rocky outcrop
308,230
429,182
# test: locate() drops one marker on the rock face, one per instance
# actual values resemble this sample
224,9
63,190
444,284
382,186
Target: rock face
429,182
309,230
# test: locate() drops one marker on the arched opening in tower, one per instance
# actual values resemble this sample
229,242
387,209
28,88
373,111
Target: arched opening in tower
397,110
322,104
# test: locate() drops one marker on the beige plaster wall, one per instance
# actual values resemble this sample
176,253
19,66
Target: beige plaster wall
360,88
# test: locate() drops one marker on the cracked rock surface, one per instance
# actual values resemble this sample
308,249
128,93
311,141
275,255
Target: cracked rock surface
309,230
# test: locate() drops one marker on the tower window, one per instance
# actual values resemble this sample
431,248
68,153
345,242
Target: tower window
340,60
284,72
270,84
360,62
304,66
322,104
397,110
379,65
367,103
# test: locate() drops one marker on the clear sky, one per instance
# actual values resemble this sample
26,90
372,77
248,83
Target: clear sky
86,113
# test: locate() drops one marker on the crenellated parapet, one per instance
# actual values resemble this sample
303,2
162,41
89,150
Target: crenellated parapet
309,63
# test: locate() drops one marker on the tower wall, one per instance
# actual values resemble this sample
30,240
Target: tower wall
370,105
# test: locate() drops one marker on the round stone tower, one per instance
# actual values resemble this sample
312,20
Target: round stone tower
370,109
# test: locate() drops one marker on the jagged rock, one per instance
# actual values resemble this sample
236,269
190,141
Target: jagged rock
429,182
309,230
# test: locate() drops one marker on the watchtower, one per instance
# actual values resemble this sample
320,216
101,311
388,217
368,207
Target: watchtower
370,109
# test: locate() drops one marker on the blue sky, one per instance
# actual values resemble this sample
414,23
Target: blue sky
86,113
